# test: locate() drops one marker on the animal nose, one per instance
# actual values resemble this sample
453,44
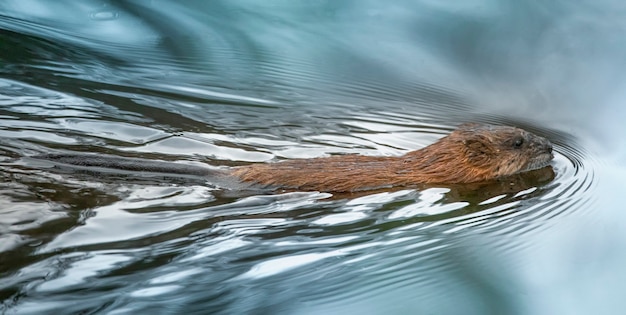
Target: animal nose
547,145
544,144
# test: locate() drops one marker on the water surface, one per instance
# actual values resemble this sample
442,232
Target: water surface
238,82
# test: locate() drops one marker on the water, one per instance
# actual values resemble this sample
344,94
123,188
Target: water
237,82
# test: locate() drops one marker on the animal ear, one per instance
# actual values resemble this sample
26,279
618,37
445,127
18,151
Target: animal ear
478,150
477,144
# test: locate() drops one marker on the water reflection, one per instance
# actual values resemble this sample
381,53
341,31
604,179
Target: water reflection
242,82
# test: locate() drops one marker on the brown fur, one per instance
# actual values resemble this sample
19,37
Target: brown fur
472,153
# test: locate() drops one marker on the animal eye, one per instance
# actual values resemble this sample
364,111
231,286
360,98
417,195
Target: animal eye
518,142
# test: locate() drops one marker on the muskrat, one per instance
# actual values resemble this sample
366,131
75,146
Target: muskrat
472,153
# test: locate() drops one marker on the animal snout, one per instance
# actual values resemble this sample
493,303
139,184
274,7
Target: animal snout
547,146
543,144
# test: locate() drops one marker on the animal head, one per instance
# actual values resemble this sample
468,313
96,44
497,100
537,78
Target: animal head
502,150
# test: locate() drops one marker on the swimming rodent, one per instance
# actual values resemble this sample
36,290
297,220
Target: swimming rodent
471,153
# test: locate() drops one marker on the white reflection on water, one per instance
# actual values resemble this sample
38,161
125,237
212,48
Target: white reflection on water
116,222
275,266
80,271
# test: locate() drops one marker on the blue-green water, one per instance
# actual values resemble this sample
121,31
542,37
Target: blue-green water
237,82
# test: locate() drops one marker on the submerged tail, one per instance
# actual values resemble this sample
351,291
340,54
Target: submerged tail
128,164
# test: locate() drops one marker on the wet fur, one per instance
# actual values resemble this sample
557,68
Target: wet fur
472,153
